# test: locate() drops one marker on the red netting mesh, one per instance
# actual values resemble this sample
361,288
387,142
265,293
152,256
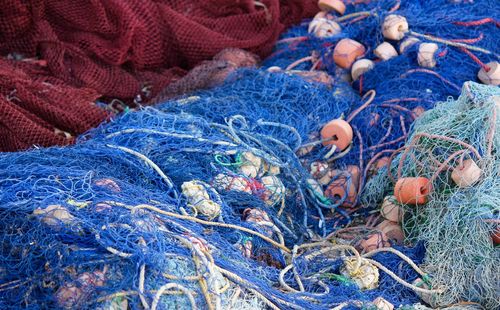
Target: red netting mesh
116,48
34,112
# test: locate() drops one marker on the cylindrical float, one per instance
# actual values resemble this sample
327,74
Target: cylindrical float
394,27
412,190
391,210
490,76
466,174
385,51
360,67
337,132
344,186
346,52
332,5
374,241
392,230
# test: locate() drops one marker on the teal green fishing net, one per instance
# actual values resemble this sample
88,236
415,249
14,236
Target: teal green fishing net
461,216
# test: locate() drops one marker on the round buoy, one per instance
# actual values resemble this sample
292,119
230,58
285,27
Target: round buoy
427,55
492,76
346,52
392,230
412,190
391,210
344,186
394,27
337,132
324,28
374,241
360,67
385,51
332,5
466,174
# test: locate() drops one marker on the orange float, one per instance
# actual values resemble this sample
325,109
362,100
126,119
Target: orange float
355,173
332,5
374,241
346,52
392,230
382,162
418,111
338,132
345,185
495,236
412,190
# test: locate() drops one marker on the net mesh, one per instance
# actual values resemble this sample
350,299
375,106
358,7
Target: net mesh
140,212
455,146
119,50
271,190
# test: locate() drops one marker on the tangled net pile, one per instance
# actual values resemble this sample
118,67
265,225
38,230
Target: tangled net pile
272,190
463,209
165,210
120,52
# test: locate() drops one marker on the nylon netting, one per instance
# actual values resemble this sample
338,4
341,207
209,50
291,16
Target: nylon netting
120,50
243,196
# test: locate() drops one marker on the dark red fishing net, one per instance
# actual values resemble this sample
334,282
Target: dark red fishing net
116,48
33,112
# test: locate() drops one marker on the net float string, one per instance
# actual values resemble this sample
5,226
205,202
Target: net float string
451,43
469,41
411,71
478,22
476,59
413,143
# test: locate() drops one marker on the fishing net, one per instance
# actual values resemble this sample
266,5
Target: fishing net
115,47
269,188
168,209
34,113
123,53
455,146
465,35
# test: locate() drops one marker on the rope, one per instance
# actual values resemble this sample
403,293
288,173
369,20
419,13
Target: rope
209,223
451,43
168,286
476,59
478,22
